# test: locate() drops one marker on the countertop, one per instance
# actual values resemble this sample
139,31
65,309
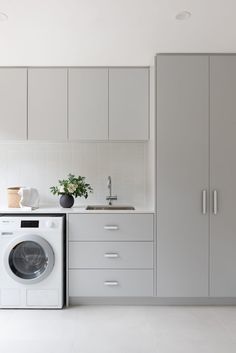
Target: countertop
75,209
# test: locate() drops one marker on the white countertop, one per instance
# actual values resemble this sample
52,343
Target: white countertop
74,209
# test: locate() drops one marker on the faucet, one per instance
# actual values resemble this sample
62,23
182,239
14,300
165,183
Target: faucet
110,197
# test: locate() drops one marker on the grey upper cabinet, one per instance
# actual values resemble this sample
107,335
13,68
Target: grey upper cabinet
13,102
88,104
223,175
114,107
47,104
128,104
74,104
182,175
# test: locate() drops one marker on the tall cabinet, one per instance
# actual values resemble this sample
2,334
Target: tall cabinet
196,173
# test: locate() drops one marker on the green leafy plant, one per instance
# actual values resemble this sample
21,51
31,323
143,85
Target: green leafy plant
74,186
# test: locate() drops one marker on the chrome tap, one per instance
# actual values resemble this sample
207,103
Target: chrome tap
110,197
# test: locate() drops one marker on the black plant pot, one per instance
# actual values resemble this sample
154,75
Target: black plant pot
66,201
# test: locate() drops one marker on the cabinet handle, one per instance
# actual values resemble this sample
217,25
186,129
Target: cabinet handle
215,202
111,255
111,227
204,201
111,283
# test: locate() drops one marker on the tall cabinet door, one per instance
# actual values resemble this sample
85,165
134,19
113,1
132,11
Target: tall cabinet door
182,175
223,175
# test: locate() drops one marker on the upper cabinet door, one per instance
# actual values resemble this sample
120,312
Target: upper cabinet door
13,103
223,175
88,104
182,175
129,104
47,104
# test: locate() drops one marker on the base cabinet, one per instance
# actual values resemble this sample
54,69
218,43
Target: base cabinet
111,255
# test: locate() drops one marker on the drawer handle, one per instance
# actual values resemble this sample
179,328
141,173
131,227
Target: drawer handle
111,283
111,255
111,227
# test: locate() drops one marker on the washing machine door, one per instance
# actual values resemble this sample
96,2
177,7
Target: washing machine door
29,259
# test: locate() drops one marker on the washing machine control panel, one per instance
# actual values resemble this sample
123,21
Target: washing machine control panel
29,223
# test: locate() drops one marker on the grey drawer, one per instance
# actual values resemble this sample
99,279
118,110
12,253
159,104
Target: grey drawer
111,255
110,227
110,283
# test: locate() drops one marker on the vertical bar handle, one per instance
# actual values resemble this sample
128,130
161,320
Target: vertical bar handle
215,202
204,201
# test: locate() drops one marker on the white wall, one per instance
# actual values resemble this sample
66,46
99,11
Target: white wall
111,32
40,165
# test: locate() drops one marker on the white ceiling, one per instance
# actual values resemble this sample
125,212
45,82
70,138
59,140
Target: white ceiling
112,32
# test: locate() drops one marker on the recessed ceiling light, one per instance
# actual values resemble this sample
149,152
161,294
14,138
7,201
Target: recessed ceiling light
183,15
3,17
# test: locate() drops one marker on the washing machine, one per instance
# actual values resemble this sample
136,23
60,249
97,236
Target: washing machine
32,261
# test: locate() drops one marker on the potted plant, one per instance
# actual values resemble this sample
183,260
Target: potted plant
69,188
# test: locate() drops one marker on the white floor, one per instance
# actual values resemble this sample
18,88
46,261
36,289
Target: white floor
119,329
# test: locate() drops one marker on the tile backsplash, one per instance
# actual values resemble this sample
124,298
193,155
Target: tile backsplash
40,165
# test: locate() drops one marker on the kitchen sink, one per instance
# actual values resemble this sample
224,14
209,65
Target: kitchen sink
108,207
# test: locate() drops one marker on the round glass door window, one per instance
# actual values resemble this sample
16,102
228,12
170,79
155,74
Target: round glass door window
28,260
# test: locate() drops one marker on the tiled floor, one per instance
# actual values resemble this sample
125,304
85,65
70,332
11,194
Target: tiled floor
119,329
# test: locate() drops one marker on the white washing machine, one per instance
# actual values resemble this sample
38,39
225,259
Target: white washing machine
32,261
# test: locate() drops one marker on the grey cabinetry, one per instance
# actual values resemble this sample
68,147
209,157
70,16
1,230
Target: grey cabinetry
74,104
108,103
128,104
88,104
110,255
182,175
196,173
223,175
47,104
13,102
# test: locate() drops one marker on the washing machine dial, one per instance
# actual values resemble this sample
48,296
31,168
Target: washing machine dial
50,224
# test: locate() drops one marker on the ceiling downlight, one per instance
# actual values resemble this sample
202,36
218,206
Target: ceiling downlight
183,15
3,17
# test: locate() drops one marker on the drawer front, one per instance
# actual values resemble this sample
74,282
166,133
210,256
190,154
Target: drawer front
111,255
110,283
110,227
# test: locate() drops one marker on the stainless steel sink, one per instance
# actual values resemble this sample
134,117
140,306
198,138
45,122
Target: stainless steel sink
108,207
